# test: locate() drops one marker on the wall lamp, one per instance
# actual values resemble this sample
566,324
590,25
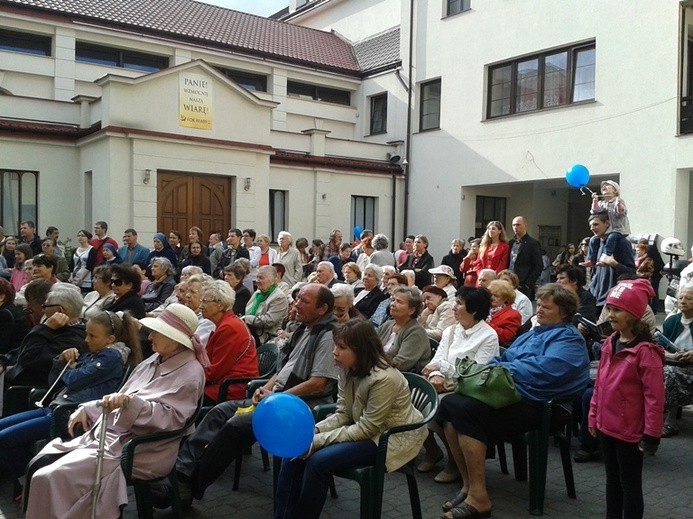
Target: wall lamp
246,184
147,176
393,157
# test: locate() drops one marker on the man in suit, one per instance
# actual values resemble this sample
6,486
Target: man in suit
525,257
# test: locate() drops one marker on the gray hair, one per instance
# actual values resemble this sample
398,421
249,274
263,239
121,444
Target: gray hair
287,235
414,298
490,272
163,263
222,291
389,268
268,269
380,242
193,269
409,274
65,295
344,290
330,267
377,270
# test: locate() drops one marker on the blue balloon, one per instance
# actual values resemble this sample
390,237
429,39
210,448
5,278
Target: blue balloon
357,232
577,176
283,425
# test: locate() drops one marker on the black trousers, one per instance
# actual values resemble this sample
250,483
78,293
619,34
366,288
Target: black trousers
217,441
623,464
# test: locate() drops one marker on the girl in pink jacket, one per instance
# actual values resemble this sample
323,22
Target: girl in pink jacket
627,406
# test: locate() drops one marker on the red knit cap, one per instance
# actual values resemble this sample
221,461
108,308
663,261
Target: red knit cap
631,296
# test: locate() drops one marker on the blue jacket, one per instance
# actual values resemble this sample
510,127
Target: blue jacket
96,374
605,278
140,255
547,362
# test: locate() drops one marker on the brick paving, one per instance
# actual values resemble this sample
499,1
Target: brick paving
668,480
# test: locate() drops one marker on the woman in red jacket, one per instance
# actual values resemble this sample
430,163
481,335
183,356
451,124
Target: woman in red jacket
627,407
494,251
471,264
231,349
504,319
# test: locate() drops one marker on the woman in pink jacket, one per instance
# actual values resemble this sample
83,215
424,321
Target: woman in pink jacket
627,407
160,395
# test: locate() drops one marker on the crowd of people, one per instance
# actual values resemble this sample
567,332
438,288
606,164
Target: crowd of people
348,319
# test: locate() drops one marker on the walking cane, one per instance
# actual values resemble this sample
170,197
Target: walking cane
99,460
42,403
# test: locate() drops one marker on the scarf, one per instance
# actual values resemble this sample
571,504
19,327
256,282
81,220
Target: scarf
260,298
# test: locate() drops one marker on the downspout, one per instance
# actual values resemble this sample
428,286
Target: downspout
407,155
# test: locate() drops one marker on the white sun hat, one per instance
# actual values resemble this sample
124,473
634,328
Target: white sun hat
176,322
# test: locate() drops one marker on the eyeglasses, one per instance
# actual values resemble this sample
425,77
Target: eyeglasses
116,282
207,301
46,305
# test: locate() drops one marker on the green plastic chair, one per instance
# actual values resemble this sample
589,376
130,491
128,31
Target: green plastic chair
143,493
556,421
267,356
371,478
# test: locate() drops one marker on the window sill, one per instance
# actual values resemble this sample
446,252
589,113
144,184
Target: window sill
449,16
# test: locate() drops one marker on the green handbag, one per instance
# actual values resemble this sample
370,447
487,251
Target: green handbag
492,385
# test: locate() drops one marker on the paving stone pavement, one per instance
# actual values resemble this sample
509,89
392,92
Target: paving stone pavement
667,482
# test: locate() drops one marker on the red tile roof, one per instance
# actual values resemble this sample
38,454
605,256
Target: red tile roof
215,26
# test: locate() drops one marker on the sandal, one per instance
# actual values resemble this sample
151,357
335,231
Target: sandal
455,501
669,430
466,511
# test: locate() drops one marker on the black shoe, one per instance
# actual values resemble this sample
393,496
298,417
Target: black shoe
583,456
160,498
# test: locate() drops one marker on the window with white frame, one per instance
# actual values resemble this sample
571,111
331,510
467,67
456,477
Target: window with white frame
363,211
18,198
546,80
378,114
278,201
429,110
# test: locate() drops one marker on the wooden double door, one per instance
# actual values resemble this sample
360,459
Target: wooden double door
185,201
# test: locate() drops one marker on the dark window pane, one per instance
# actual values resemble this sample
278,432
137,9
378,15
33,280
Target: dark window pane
18,198
277,212
378,114
457,6
556,79
249,81
328,95
542,81
110,57
24,42
527,85
501,86
584,74
363,212
430,105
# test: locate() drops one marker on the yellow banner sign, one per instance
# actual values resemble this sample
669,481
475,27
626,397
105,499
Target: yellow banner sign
195,109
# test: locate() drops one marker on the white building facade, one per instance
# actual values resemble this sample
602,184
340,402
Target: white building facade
161,118
509,95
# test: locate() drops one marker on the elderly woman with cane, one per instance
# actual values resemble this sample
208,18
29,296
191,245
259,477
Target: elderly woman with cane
160,395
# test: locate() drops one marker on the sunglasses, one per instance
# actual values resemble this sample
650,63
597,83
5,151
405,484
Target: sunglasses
117,282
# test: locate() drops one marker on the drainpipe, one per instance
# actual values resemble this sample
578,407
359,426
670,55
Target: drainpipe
407,155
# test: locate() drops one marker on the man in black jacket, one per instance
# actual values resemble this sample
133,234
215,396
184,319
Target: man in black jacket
525,257
30,363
